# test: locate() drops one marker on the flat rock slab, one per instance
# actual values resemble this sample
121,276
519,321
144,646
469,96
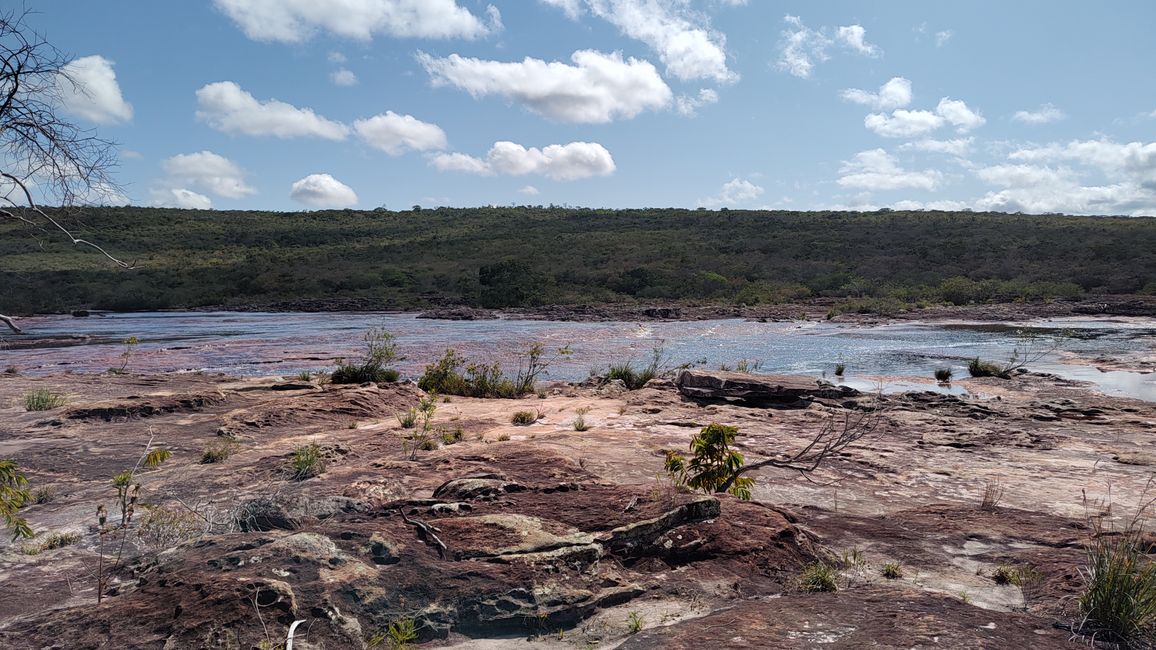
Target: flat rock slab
782,391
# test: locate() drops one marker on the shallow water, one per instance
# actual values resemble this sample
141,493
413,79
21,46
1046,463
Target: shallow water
261,344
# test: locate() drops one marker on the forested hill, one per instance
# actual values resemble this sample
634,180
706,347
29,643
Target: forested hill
525,256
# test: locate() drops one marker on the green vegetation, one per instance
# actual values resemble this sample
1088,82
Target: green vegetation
580,423
818,576
634,623
527,256
218,451
445,377
43,399
978,368
397,636
892,571
943,375
14,496
306,462
524,418
840,368
380,351
633,378
714,465
1119,597
51,542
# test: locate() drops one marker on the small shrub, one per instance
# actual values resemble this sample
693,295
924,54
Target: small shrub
943,375
218,451
408,419
380,351
892,571
818,576
450,437
580,423
634,623
840,368
166,526
1119,596
304,375
992,495
12,370
634,379
977,368
853,558
43,399
307,462
1005,574
714,464
503,437
524,418
51,542
44,494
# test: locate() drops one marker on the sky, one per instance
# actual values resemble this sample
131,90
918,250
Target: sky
1032,106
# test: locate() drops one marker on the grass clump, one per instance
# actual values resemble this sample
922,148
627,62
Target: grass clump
397,636
51,542
634,623
380,351
943,375
580,423
840,368
306,462
218,451
635,378
446,376
979,368
992,495
43,399
892,571
1119,596
452,436
44,494
818,576
525,418
408,418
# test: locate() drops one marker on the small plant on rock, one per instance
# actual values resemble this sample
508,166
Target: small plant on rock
380,351
580,423
943,375
818,576
524,418
51,542
634,623
892,571
218,451
992,495
14,496
306,462
713,464
43,399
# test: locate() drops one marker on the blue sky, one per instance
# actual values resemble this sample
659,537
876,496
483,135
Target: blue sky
304,104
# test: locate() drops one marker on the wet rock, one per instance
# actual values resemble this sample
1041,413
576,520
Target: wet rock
782,391
144,407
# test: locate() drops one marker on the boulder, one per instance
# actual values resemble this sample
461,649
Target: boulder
779,391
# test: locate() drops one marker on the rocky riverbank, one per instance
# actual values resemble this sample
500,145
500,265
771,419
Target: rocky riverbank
550,537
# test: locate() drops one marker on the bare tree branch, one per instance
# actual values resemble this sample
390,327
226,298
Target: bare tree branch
43,157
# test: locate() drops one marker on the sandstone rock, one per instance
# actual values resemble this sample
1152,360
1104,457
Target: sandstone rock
783,391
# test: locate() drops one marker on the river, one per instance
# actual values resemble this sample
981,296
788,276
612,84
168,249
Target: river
286,343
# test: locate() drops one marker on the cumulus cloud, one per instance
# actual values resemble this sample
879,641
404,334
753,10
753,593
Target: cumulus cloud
802,47
293,21
733,192
322,191
876,169
343,77
682,37
396,134
1106,177
948,206
956,147
88,89
854,37
597,88
208,172
561,162
941,38
896,93
179,197
1045,114
688,105
529,190
902,123
225,107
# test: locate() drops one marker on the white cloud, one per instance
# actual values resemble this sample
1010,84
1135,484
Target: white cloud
226,107
956,112
801,47
1127,170
876,169
896,93
322,191
941,38
179,197
597,88
88,89
854,37
956,147
337,57
733,192
297,20
396,134
208,172
682,37
949,206
688,105
529,190
562,162
572,8
343,77
902,123
1043,115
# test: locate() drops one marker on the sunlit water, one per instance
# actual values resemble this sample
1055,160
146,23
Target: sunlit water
261,344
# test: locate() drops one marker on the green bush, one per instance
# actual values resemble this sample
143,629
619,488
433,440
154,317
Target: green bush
977,368
1119,595
307,462
43,399
943,375
380,351
892,571
714,465
633,378
445,377
218,451
524,418
819,576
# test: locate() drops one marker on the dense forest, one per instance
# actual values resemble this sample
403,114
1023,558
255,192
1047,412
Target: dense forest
528,256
